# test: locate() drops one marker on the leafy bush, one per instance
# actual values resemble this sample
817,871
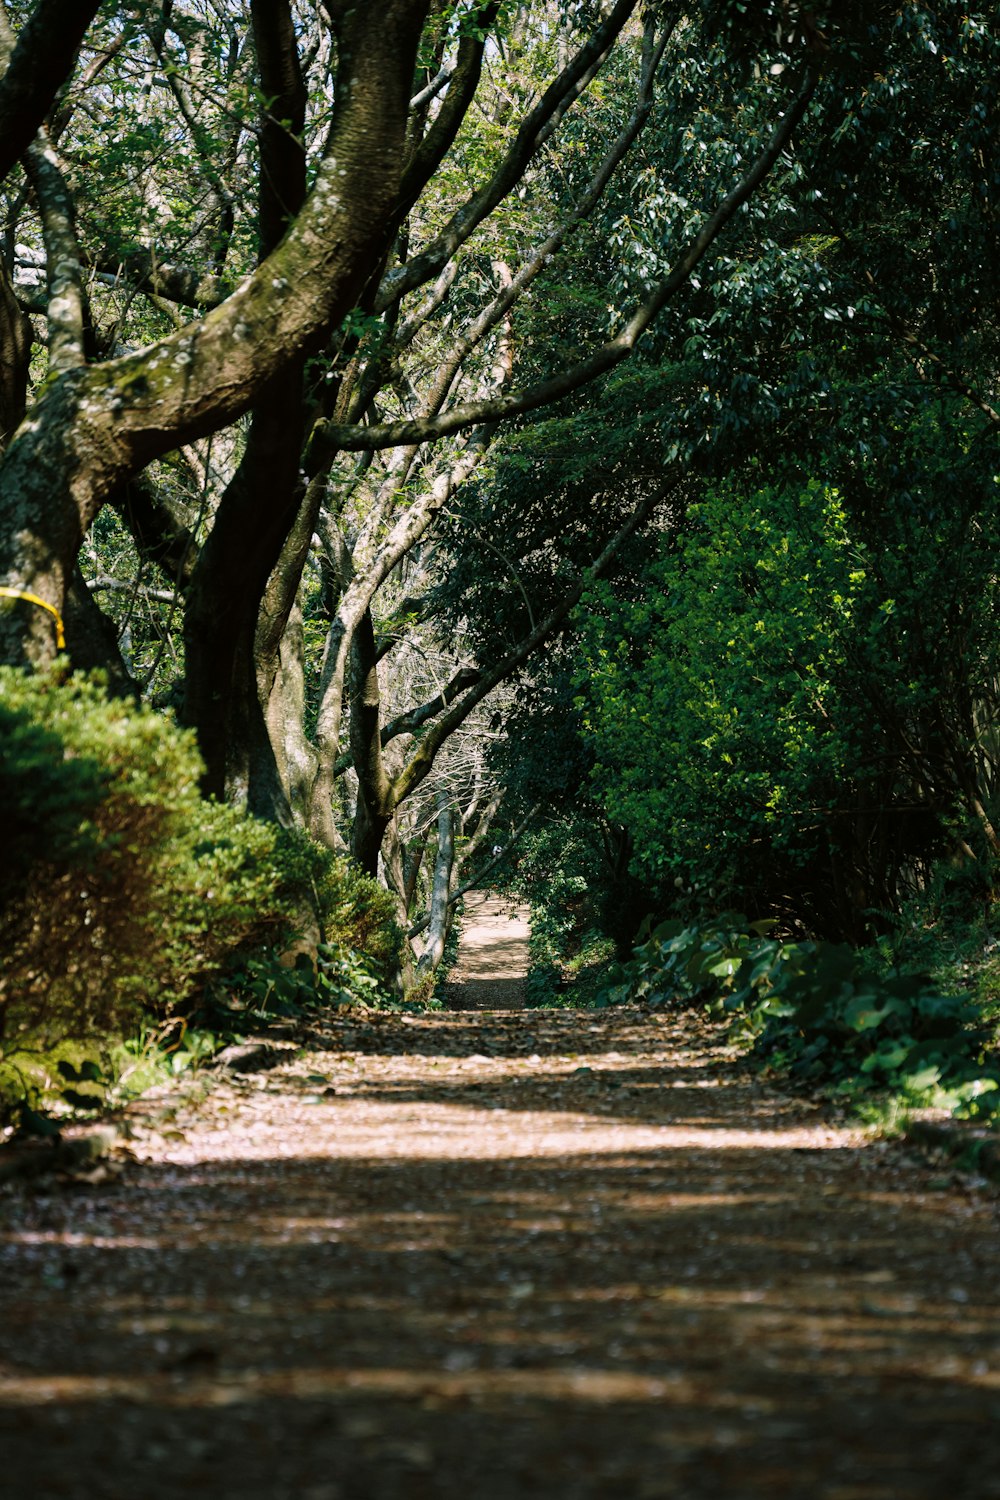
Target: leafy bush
46,799
679,961
358,916
775,712
149,892
832,1020
817,1012
340,977
566,870
343,907
129,893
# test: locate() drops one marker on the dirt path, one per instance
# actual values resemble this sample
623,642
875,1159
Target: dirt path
492,955
492,1256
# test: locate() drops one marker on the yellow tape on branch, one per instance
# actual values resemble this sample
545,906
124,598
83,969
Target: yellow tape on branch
34,599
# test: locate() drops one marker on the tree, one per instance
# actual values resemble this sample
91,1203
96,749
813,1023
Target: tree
842,345
795,711
262,351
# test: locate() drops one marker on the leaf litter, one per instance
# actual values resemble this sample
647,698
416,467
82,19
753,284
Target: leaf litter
503,1254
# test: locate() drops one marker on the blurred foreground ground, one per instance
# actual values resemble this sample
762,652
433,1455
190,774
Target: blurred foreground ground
498,1255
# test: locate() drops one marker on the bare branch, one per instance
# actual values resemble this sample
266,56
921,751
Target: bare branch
464,80
431,90
105,584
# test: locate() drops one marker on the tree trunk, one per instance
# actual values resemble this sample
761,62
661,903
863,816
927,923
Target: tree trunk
15,354
375,803
95,427
444,867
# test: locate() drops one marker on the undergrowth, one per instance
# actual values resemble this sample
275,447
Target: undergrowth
823,1015
131,907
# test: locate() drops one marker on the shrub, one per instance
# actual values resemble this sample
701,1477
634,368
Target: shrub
45,798
125,891
357,914
130,889
346,908
816,1011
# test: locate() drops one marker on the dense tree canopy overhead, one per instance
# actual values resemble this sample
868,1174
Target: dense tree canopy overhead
403,207
821,402
346,347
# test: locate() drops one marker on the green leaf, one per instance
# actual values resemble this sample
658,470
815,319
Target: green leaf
923,1079
865,1013
888,1056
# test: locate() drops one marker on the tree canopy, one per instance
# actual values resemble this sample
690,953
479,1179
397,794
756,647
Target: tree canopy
454,409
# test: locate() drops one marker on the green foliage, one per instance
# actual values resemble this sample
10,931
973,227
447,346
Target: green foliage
819,1013
156,1055
707,698
135,894
40,1090
46,799
575,976
103,913
832,1020
32,1083
794,705
359,916
680,961
351,911
270,987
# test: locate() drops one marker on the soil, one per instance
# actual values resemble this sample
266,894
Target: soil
493,1255
492,956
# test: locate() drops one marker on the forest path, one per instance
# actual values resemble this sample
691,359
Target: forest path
556,1254
492,961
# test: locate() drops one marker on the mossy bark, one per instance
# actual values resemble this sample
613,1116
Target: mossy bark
95,427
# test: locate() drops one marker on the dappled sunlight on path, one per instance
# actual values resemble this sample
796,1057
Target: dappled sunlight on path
502,1256
492,958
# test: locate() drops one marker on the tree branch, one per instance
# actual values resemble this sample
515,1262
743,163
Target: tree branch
416,718
193,289
15,357
426,429
419,767
66,310
38,63
91,429
535,130
438,140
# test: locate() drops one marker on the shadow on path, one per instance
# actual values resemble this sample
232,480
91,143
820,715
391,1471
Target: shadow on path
403,1291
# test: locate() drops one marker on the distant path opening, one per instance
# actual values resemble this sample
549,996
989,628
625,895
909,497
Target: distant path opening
492,955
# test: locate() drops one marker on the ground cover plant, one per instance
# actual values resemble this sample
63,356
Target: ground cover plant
820,1014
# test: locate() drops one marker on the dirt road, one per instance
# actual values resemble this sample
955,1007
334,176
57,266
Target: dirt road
492,955
494,1256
